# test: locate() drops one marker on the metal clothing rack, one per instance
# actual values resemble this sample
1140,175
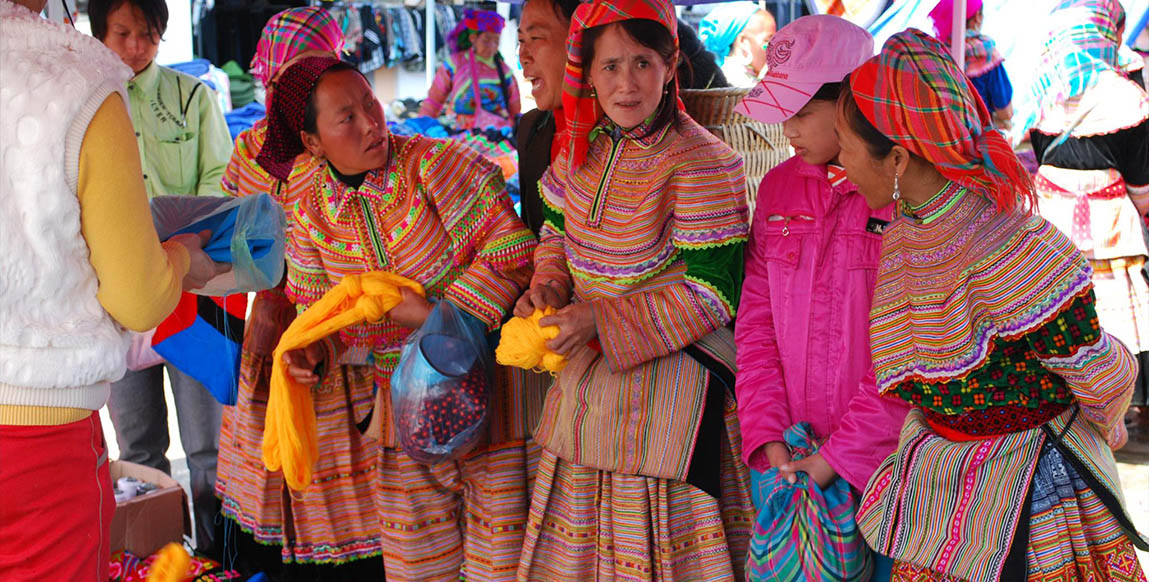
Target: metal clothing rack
429,56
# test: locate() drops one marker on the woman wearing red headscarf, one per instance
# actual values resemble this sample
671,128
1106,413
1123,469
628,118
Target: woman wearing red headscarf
984,320
330,533
474,82
645,219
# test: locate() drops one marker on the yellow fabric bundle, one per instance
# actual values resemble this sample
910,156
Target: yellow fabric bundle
289,433
171,564
524,344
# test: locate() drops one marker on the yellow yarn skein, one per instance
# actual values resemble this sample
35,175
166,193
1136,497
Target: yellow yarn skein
171,564
524,344
289,433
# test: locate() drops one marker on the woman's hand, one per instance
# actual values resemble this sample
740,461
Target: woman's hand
412,311
201,268
301,363
540,296
576,325
269,319
815,467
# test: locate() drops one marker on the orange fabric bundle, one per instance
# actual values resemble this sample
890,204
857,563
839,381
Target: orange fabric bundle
524,344
171,564
289,433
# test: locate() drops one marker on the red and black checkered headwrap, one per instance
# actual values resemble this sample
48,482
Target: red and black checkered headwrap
285,117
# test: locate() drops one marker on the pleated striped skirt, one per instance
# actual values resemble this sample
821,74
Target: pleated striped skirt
588,524
334,520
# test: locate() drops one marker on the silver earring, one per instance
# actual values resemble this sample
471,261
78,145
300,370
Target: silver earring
897,190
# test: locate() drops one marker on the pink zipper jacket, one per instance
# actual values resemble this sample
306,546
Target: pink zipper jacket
803,323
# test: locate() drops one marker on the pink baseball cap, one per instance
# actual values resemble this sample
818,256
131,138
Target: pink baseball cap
800,58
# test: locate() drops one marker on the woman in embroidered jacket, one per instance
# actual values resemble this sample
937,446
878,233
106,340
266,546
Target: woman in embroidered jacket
435,212
474,82
984,321
1091,134
330,531
641,251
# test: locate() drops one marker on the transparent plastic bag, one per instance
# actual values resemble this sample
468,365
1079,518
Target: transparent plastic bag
441,389
246,232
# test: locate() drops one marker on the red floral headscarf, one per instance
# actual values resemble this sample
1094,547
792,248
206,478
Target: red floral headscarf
580,108
915,94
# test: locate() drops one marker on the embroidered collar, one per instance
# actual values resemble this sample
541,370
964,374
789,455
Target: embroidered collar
489,62
935,207
639,134
378,188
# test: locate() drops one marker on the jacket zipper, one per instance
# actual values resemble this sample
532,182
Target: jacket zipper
595,218
373,233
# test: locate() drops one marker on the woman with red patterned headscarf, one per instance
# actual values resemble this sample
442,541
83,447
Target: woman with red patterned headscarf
474,82
984,320
645,220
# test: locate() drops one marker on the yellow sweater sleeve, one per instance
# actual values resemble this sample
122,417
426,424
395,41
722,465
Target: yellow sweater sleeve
140,279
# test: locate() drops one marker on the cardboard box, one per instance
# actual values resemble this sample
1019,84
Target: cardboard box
143,524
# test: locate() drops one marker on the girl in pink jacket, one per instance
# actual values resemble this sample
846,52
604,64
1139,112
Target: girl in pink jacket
803,323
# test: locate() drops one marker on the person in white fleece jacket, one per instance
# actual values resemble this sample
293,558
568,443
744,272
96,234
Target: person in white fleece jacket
81,261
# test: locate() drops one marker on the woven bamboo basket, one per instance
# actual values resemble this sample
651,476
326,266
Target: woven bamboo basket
761,145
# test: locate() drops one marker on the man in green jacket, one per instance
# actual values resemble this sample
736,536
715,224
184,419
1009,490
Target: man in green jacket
184,147
183,137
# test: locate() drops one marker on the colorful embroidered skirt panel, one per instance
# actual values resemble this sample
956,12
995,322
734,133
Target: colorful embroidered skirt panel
333,520
455,520
588,524
1072,534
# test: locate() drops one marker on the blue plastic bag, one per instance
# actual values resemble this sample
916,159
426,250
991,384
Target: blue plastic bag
803,532
441,388
246,232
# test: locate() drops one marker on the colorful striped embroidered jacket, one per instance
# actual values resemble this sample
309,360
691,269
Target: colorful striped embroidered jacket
986,320
652,229
437,214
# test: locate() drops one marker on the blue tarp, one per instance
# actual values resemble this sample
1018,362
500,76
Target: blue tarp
243,118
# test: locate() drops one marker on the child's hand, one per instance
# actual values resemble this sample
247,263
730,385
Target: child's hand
777,453
815,467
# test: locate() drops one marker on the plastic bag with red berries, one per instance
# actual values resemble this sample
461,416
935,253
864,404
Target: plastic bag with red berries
441,389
